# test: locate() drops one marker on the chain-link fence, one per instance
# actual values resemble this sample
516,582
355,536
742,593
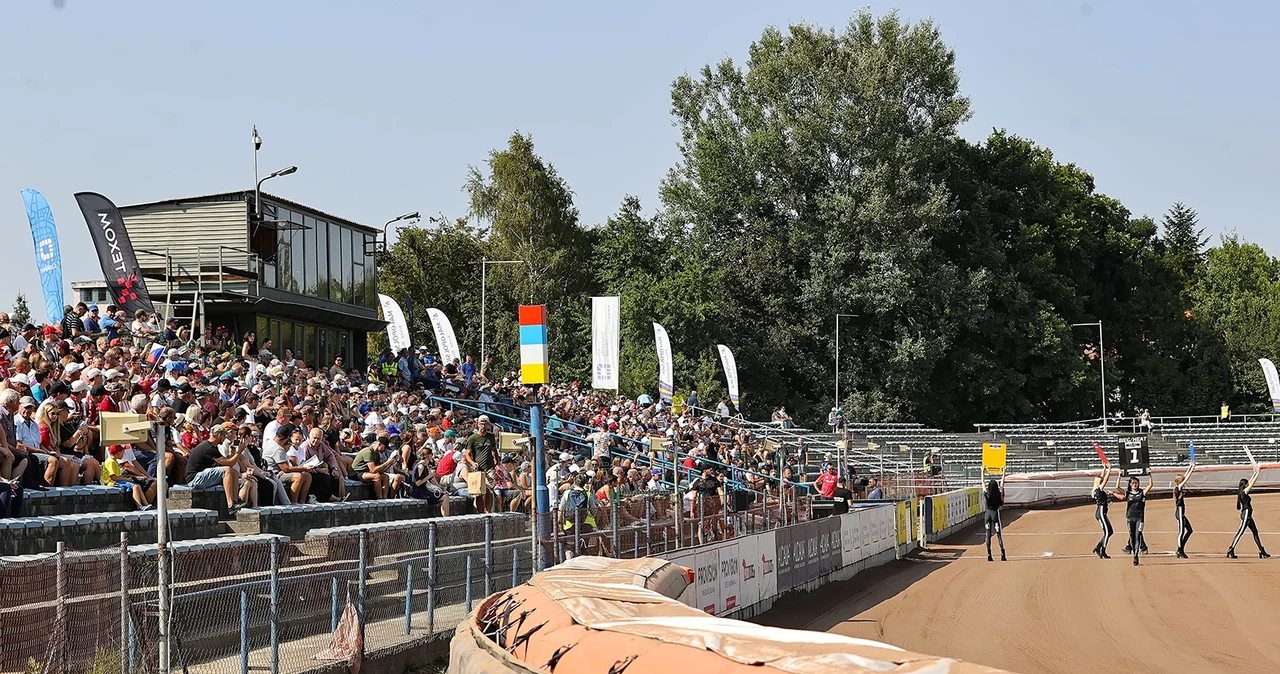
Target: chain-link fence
256,602
267,603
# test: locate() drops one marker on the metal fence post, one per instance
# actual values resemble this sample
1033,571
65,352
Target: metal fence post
467,591
408,598
613,523
124,603
431,578
360,584
64,630
515,567
649,512
244,632
275,606
333,605
488,556
577,531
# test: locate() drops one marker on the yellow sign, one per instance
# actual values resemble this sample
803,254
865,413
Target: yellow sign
939,513
994,458
904,522
975,500
915,519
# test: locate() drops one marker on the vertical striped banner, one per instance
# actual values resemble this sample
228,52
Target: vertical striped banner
534,368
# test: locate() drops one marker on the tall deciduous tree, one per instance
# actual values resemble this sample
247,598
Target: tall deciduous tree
529,214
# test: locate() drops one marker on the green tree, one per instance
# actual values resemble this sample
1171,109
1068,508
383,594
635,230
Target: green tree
436,268
811,181
529,216
21,314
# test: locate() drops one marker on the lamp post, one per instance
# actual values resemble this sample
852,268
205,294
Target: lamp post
484,279
257,190
257,145
838,317
398,218
1102,364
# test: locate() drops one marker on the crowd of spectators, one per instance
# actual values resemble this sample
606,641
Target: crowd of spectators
272,429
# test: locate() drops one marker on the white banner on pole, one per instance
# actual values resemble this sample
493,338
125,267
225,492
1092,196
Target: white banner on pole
445,339
666,376
604,342
397,331
730,372
1273,382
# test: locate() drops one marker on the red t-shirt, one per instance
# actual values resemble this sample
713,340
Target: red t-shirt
447,464
826,484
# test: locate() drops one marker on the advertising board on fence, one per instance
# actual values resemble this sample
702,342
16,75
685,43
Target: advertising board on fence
736,574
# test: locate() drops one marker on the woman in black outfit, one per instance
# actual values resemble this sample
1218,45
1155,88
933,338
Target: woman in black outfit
1135,510
1244,503
1180,510
1103,499
995,500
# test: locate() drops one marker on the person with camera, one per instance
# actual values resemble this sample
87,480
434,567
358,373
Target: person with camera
214,462
369,466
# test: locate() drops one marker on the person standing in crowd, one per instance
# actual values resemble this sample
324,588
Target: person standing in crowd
479,455
840,498
874,491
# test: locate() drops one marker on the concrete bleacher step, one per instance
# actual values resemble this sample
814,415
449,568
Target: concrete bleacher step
182,497
73,500
27,535
295,521
390,538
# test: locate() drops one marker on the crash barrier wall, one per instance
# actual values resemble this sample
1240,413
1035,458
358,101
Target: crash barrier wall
743,577
1068,487
945,514
258,602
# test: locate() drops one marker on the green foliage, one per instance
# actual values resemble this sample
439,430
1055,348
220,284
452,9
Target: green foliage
825,175
21,314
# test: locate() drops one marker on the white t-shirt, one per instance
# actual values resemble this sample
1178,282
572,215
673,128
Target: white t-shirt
274,453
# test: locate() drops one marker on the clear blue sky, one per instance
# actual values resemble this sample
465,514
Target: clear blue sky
383,105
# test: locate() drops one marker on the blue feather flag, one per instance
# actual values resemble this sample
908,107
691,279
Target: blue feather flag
48,255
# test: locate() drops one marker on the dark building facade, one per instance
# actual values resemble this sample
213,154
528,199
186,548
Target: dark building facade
304,278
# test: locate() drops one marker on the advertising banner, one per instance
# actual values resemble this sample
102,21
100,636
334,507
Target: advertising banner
782,546
707,581
666,367
730,372
813,550
1273,382
903,522
730,559
767,553
749,579
48,258
848,544
604,342
115,253
828,545
397,330
446,341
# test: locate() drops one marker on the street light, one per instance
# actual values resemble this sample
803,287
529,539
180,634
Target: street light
484,279
257,191
381,246
1102,363
838,317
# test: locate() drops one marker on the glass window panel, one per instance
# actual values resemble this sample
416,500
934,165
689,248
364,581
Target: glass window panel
298,253
309,345
348,294
322,259
357,285
336,290
370,276
286,337
309,261
262,328
274,336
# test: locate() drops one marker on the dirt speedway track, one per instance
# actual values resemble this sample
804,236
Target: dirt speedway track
1056,608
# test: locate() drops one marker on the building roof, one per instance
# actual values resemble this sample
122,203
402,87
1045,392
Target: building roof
245,195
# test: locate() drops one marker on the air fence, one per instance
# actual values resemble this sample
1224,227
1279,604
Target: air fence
267,603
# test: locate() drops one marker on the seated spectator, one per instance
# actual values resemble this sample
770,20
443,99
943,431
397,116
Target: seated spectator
424,483
294,477
305,455
65,436
370,466
114,474
209,466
